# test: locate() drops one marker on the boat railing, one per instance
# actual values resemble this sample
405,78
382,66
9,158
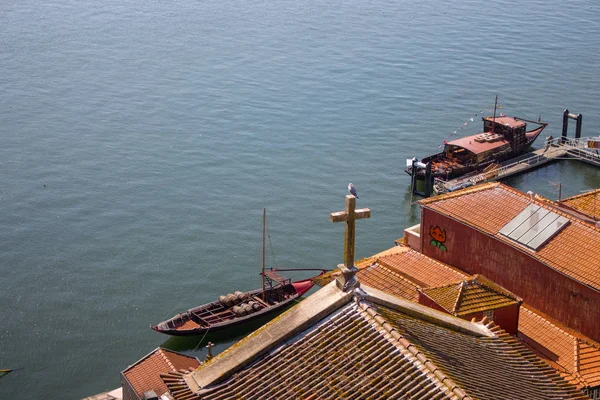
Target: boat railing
553,148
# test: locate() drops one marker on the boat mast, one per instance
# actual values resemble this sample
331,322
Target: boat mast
263,251
494,120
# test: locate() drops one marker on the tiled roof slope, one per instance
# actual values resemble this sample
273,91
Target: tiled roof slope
587,203
400,271
371,351
576,356
420,269
471,296
488,207
145,374
496,367
387,280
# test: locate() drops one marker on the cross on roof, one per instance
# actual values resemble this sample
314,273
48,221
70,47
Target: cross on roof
349,216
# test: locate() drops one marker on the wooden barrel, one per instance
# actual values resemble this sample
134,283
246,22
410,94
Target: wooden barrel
247,308
241,296
225,301
239,311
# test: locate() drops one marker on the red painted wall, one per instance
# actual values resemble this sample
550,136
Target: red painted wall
506,318
561,297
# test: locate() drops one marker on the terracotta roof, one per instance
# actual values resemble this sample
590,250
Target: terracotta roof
400,270
587,203
368,350
420,269
549,339
471,296
387,280
576,356
145,374
488,207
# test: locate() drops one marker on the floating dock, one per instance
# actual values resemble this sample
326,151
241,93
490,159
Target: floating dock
553,150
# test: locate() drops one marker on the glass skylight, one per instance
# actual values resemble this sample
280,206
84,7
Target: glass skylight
534,226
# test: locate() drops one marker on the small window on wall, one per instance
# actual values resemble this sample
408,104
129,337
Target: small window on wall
489,314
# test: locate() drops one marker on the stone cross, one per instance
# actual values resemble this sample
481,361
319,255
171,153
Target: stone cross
350,215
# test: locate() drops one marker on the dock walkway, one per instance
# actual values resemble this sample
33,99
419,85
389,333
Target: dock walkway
554,149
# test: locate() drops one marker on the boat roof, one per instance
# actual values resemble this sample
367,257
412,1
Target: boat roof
512,122
471,145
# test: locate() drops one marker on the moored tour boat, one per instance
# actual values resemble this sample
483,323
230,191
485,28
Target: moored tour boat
502,138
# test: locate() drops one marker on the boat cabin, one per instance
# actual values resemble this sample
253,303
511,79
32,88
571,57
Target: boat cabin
500,136
512,129
476,148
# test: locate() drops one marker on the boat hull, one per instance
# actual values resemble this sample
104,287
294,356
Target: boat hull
190,323
458,170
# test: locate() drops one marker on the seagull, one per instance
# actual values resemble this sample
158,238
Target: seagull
352,190
530,193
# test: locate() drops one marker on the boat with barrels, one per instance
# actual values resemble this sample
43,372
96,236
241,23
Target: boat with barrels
238,308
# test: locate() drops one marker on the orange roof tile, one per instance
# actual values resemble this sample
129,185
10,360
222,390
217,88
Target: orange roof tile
471,296
387,280
420,269
576,356
587,203
399,271
145,374
367,350
488,207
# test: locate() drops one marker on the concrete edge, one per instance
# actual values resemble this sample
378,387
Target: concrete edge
423,312
290,323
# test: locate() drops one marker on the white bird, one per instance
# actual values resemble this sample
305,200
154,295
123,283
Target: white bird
352,190
530,193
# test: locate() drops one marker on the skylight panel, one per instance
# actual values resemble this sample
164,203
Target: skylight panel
534,226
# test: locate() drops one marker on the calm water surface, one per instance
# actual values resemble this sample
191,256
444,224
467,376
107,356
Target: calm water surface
141,140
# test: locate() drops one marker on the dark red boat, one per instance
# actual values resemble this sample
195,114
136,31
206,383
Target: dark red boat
239,308
236,308
503,138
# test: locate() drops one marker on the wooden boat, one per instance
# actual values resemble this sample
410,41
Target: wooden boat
502,138
237,308
240,307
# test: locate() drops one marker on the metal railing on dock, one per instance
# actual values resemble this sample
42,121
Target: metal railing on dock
553,149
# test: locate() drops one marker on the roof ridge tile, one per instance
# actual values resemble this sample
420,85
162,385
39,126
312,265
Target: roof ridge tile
404,343
167,360
472,189
459,298
527,354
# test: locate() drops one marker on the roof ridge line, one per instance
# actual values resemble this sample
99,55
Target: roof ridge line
556,208
560,326
164,356
458,302
577,357
401,274
144,358
440,263
405,279
450,195
524,351
443,379
594,191
494,287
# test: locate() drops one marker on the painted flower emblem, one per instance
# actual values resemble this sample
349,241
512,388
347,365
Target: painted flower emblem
438,237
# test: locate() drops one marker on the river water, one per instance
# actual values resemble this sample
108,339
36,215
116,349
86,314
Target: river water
142,139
